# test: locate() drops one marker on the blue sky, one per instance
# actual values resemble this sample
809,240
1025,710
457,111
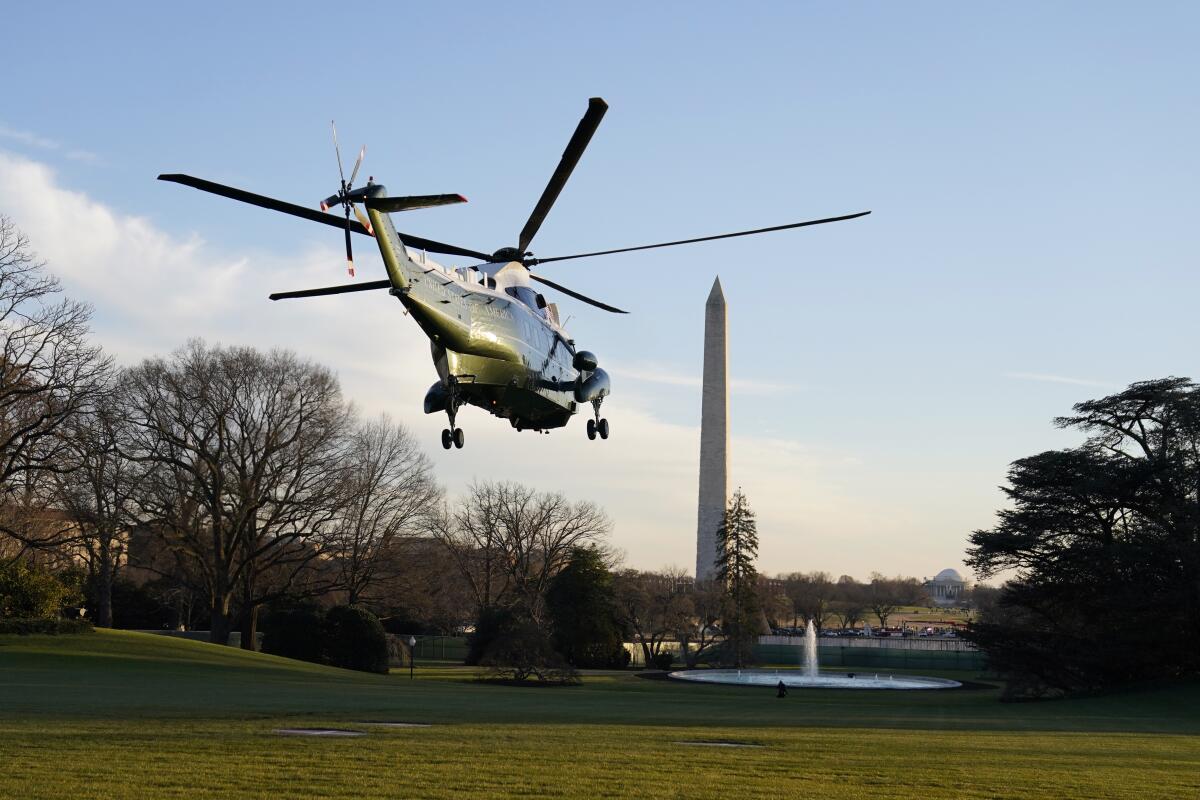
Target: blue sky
1031,169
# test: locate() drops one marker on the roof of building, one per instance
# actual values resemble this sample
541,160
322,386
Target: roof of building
949,574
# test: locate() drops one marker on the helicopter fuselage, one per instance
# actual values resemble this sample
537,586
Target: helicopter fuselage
495,343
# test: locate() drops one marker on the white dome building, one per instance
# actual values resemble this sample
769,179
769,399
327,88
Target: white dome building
947,588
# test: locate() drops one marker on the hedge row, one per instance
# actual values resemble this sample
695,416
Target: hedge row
53,627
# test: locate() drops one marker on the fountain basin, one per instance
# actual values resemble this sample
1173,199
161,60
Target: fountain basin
794,679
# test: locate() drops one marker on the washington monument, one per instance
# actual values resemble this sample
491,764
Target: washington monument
714,435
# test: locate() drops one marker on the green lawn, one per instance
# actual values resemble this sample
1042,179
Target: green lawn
126,715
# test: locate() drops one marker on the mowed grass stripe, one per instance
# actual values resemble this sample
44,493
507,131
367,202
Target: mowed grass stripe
243,759
136,716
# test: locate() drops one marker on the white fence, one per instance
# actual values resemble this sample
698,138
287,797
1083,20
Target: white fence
886,642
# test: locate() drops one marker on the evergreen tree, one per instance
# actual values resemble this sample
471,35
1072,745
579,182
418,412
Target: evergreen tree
1104,543
737,548
581,604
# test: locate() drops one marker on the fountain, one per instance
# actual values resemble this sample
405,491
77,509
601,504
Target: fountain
810,676
810,651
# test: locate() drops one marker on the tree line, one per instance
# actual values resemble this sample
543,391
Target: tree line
202,488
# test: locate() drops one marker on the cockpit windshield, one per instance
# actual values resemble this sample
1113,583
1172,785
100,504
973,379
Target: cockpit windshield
529,297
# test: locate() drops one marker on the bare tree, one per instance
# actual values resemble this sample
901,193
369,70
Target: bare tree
423,587
850,603
49,373
776,604
390,492
885,595
812,595
245,450
702,631
96,495
881,598
509,540
655,606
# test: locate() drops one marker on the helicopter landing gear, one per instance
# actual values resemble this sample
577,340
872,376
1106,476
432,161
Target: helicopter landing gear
453,435
597,425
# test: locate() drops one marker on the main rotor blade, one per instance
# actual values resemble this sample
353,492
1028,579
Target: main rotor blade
343,289
700,239
262,201
577,295
570,157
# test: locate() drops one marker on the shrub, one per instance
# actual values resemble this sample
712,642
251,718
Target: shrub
490,623
661,660
522,650
51,627
294,632
354,639
30,593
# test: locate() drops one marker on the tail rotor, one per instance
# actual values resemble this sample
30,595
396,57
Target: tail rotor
343,197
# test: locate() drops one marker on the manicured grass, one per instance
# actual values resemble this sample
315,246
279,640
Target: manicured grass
135,716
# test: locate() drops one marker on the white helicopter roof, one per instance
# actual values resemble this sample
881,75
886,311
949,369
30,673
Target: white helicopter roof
504,274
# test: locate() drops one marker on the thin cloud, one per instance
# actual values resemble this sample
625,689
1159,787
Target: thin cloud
31,139
663,376
1044,378
27,138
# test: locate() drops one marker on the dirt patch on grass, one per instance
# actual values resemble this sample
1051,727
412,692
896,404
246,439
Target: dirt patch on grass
331,732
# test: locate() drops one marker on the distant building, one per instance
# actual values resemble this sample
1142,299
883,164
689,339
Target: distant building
947,588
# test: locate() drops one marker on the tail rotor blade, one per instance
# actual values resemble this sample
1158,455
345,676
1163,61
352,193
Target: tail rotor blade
349,249
338,151
357,164
362,219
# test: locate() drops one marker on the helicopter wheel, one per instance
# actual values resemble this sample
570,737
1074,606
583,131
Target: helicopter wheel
602,428
591,428
459,438
447,438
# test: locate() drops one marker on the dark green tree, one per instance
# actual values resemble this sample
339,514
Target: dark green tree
354,639
1104,541
737,548
581,605
29,592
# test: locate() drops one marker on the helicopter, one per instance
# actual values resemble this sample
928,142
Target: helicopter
496,342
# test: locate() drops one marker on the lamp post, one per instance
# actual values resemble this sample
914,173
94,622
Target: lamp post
412,655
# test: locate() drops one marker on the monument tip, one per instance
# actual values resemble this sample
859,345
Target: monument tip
716,294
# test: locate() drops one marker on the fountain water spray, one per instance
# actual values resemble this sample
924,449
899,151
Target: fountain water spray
810,651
